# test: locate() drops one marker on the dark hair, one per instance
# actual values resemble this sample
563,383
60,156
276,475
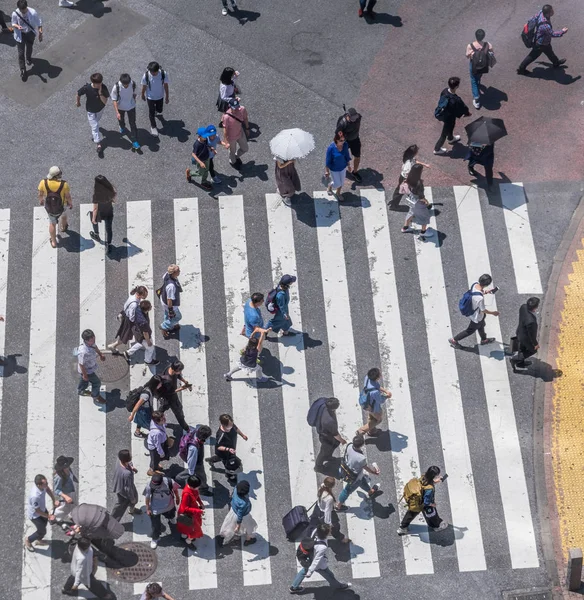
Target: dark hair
532,303
257,297
338,135
22,4
358,441
453,82
125,79
153,588
374,374
480,35
96,78
227,75
145,305
125,456
415,175
430,474
38,479
410,152
327,486
193,481
225,419
322,531
485,280
546,10
153,67
332,403
153,383
177,366
139,289
157,416
252,343
87,335
84,543
418,189
204,432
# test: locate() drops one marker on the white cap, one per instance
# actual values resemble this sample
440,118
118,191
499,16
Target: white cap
54,172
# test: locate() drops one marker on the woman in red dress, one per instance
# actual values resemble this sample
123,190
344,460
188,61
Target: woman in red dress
192,506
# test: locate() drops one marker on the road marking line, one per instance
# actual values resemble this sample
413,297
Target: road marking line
4,247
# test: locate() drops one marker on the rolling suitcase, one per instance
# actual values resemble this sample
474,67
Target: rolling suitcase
296,522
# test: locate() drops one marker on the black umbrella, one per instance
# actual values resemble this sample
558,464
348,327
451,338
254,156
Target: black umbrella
485,131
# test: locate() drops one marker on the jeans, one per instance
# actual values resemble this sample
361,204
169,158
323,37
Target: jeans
472,327
95,382
447,133
131,119
241,141
475,81
25,47
372,3
278,321
108,229
536,52
326,574
156,522
169,323
94,119
120,507
40,524
363,483
177,409
149,351
154,106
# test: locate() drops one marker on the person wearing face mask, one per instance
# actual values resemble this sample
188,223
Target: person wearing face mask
526,334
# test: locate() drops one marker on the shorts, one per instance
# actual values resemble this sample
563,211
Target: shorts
54,219
355,147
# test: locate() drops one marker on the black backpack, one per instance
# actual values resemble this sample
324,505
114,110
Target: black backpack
270,301
117,87
529,33
53,201
305,551
480,59
133,398
147,76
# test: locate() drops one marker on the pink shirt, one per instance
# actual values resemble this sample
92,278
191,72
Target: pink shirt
233,127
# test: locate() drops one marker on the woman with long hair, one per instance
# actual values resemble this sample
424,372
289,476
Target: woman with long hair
127,318
227,89
104,196
325,502
409,159
413,188
337,163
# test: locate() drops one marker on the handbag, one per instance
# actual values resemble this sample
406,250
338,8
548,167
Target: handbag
222,105
186,520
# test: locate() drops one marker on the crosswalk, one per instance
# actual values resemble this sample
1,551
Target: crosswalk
234,247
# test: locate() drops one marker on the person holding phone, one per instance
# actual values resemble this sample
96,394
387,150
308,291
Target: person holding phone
26,24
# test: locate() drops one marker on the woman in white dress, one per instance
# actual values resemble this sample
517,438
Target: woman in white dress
239,521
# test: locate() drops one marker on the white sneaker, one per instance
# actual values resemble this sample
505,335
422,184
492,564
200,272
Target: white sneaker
173,521
153,544
65,3
476,103
455,139
224,11
216,179
442,526
402,531
154,131
441,151
228,377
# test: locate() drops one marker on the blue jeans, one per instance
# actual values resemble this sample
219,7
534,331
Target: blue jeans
278,321
349,488
169,323
475,81
326,573
95,382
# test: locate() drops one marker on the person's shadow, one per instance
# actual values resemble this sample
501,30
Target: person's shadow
245,16
548,72
540,370
251,169
174,128
383,19
371,177
10,366
7,38
492,98
92,7
41,68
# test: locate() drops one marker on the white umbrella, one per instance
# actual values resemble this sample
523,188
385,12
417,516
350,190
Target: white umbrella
292,143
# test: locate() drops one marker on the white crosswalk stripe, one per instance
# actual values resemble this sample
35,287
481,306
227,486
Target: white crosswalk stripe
457,497
4,248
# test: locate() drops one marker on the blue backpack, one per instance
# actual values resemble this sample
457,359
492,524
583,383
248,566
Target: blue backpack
315,413
439,111
465,303
365,397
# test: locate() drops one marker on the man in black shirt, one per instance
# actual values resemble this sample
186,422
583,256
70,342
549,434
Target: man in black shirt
454,108
328,433
167,392
201,157
526,334
349,124
96,96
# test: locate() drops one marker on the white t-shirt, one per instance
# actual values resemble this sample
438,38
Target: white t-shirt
478,304
37,500
126,98
155,91
407,167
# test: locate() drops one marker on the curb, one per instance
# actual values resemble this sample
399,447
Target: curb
543,405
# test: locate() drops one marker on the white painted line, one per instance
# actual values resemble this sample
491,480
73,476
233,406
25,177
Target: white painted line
463,502
139,235
346,380
36,566
406,464
520,238
256,558
511,474
202,563
4,246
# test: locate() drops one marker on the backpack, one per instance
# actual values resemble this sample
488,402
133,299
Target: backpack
414,494
305,551
465,303
147,76
529,33
188,439
347,474
270,301
53,201
365,398
133,398
480,59
117,88
440,110
315,413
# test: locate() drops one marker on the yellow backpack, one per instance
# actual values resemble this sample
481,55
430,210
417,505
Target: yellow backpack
414,494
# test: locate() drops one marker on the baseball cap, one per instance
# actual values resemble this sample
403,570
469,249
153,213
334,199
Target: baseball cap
54,172
211,130
202,132
287,279
353,114
234,103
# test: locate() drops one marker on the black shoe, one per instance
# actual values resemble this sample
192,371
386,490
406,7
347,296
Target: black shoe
472,172
29,61
23,75
371,14
296,590
110,248
237,164
94,236
127,356
561,62
99,150
357,177
521,71
152,363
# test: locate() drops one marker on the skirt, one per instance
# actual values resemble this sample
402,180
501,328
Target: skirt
248,526
338,178
421,213
126,330
287,180
143,416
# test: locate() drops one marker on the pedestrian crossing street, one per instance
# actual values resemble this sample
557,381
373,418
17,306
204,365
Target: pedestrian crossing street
457,499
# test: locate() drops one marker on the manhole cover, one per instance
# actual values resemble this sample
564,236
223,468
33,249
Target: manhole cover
529,594
112,369
134,562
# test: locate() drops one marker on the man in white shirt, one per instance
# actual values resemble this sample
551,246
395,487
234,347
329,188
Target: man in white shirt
155,88
124,100
26,23
477,319
36,511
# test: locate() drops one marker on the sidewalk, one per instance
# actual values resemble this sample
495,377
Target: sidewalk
563,403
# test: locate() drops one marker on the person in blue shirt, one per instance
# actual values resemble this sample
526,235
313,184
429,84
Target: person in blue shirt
338,161
281,319
377,398
252,316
